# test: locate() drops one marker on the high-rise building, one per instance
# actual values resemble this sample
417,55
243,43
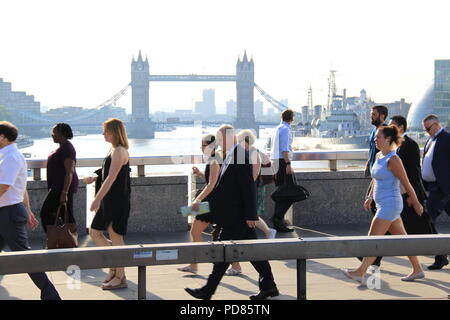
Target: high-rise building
207,106
305,114
442,90
259,108
231,108
22,107
209,102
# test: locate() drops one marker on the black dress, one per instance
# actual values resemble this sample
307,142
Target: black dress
115,206
206,217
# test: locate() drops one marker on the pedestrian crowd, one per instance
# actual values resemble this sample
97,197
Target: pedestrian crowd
405,196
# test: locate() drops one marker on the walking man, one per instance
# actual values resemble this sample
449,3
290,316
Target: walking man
233,204
409,153
281,154
15,212
436,175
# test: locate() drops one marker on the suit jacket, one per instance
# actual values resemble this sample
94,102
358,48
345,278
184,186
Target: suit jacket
409,153
441,161
233,200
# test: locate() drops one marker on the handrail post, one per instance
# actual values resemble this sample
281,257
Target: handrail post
141,170
333,165
142,283
37,174
301,279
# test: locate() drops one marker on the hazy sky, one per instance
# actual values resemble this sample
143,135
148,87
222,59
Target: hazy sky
78,53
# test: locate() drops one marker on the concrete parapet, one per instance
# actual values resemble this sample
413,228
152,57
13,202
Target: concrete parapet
336,198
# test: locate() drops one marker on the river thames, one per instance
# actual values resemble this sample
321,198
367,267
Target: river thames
181,141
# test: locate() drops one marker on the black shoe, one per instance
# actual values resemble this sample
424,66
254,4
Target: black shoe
376,263
438,265
263,295
198,293
283,229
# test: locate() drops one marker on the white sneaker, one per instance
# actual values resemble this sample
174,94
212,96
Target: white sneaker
272,234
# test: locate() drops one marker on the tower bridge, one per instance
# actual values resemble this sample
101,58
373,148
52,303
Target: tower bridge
142,127
140,124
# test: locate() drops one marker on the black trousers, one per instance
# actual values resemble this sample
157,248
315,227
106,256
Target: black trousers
437,201
239,232
415,224
281,207
13,232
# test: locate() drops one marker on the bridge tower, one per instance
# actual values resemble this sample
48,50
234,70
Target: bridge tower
141,126
245,83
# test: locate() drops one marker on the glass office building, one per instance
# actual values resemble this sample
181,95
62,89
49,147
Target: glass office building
441,102
436,98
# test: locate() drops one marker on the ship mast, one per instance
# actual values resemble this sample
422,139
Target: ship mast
331,89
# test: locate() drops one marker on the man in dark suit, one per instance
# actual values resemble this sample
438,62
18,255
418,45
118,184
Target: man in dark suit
409,153
436,174
233,203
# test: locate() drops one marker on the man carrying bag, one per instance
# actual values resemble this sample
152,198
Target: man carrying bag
281,151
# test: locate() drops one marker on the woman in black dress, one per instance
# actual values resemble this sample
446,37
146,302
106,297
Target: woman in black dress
62,179
211,175
112,200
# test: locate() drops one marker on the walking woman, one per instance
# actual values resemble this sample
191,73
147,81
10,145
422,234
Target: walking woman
62,179
211,176
388,172
112,201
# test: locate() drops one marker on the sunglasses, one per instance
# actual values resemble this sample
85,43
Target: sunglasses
429,128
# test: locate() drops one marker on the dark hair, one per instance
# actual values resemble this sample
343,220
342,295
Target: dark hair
401,121
392,132
9,130
210,139
382,110
64,129
287,115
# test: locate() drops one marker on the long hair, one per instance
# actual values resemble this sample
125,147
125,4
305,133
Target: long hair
117,128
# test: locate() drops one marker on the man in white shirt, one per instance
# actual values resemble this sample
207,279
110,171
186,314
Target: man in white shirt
281,154
15,212
436,174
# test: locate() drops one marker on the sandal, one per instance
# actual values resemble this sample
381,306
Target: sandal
122,284
110,277
233,272
188,269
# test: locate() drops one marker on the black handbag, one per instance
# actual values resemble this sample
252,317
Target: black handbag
290,192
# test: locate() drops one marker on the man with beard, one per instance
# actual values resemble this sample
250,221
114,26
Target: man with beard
378,116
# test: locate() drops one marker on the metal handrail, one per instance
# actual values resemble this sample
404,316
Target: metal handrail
227,251
332,156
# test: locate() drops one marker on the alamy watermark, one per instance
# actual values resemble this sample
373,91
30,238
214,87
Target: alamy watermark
373,282
74,277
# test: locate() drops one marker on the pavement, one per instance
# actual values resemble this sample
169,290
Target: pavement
325,281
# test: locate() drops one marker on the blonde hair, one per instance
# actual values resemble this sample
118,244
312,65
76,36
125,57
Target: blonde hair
117,129
247,136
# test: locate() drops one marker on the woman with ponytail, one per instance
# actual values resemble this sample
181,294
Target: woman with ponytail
388,172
